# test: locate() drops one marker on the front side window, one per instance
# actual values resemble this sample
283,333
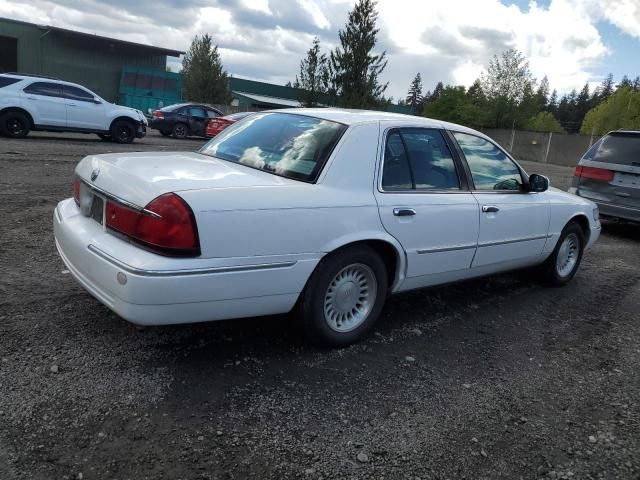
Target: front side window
418,159
289,145
75,93
46,89
490,167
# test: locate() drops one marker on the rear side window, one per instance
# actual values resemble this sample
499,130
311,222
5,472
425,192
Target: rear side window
620,148
47,89
75,93
212,114
592,151
418,158
6,81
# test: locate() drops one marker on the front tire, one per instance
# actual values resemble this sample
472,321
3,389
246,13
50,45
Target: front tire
344,296
15,124
123,131
565,260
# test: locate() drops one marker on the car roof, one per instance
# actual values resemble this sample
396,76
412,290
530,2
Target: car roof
40,78
356,117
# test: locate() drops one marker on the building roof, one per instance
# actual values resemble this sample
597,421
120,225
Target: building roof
268,100
64,31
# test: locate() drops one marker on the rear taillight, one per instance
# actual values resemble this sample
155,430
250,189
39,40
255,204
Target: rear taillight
76,190
593,173
158,114
167,225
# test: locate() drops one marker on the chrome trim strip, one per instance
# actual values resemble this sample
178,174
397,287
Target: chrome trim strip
446,249
176,273
122,201
515,240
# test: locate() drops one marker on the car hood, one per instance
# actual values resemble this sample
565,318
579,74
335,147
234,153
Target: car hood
140,177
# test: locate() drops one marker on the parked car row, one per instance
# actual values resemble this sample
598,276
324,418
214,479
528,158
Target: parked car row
33,103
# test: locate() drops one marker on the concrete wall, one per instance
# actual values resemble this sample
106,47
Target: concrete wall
532,146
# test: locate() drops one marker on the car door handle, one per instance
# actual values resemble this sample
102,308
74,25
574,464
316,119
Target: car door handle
622,194
404,212
490,209
71,105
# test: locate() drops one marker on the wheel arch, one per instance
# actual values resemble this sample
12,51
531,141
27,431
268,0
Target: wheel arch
21,110
119,118
387,247
583,221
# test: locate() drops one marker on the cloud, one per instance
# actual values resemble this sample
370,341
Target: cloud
449,41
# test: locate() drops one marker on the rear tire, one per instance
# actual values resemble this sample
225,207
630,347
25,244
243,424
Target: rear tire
565,260
344,297
123,131
15,124
180,131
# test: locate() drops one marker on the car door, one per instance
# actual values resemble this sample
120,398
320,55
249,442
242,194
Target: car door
425,203
46,103
198,120
514,222
84,109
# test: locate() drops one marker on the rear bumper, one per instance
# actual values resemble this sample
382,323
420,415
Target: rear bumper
149,289
608,209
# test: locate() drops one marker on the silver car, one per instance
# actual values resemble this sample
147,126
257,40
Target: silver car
609,175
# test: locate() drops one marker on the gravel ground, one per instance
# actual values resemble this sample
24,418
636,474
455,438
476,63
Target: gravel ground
493,378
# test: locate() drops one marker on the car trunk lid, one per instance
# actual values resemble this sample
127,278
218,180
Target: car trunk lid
138,178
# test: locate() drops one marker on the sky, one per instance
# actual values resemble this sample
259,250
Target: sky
570,41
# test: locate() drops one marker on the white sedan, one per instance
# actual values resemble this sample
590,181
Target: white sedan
325,210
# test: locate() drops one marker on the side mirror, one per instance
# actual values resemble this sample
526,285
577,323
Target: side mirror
538,183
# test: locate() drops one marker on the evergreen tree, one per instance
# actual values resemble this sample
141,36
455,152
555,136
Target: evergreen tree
552,105
414,95
313,78
436,92
355,69
625,82
583,105
203,77
604,90
636,84
542,94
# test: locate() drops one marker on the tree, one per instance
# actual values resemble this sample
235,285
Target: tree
604,90
355,69
542,94
620,110
203,76
455,105
636,84
505,84
313,78
414,95
545,122
552,105
436,92
625,82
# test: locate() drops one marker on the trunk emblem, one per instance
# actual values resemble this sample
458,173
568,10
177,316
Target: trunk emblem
94,174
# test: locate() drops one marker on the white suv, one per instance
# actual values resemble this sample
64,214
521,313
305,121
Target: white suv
38,103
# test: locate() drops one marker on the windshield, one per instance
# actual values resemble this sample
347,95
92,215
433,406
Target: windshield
289,145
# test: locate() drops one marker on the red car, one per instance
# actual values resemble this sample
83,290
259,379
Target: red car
216,125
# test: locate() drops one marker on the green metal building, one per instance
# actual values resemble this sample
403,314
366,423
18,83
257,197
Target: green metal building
90,60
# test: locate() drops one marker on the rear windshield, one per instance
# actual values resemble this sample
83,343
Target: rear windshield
620,148
6,81
289,145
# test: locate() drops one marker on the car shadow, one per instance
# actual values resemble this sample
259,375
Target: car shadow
621,229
